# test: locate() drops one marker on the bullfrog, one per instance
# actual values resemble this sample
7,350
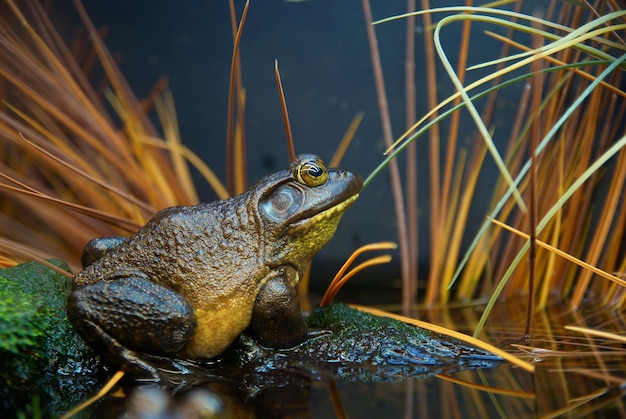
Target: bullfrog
191,280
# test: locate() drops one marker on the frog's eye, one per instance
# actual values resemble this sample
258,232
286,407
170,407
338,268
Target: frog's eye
312,173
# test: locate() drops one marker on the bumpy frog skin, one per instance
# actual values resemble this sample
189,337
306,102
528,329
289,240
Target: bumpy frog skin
193,278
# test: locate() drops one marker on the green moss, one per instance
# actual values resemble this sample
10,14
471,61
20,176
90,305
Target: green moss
41,357
22,321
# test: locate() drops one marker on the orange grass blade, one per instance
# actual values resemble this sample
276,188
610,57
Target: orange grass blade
488,389
283,105
14,249
167,114
576,70
152,164
63,147
239,156
599,376
75,127
611,204
178,148
338,281
578,402
98,182
230,176
334,288
125,223
346,140
340,411
120,86
598,333
360,251
103,392
565,255
491,76
458,220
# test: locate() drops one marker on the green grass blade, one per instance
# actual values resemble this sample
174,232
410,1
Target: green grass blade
402,146
474,114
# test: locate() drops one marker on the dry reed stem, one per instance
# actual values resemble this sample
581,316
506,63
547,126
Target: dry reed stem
103,392
345,141
341,277
433,159
450,214
410,115
572,155
589,267
283,105
489,389
396,183
61,148
235,176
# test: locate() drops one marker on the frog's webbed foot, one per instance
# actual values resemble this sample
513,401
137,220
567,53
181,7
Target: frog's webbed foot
126,359
277,318
177,374
132,322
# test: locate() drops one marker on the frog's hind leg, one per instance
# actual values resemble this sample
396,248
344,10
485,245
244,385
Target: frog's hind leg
132,321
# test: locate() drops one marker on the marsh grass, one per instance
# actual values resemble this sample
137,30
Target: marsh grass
568,123
555,233
79,163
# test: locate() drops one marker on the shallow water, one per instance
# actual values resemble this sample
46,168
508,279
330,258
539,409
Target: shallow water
576,376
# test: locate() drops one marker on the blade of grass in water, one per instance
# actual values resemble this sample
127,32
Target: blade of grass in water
556,207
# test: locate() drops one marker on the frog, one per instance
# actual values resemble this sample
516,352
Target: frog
193,278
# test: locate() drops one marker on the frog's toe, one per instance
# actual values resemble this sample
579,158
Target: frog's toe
316,333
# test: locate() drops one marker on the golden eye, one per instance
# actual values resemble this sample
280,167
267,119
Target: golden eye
312,172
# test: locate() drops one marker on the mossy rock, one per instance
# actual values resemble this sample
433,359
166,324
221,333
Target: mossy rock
43,362
353,346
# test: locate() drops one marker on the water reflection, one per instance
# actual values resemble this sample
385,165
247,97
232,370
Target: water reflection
576,375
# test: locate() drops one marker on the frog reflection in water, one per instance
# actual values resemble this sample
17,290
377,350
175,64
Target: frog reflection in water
193,278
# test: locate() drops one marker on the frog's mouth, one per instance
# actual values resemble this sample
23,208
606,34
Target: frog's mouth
313,218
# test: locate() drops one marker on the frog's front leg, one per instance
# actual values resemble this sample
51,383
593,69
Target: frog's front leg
132,321
276,317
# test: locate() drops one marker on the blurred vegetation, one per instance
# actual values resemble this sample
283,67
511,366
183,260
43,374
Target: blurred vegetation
42,360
